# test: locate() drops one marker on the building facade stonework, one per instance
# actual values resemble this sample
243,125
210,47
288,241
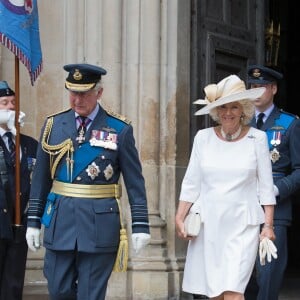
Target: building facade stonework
145,47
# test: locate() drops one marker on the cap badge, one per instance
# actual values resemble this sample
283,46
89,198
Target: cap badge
256,73
77,75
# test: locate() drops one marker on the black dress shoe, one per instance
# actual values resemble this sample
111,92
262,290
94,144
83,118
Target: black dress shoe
199,297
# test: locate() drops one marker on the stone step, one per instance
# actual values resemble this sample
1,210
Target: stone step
35,284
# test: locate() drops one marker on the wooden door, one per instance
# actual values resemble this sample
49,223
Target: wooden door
225,38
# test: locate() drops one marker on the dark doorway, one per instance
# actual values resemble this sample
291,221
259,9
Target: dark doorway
285,13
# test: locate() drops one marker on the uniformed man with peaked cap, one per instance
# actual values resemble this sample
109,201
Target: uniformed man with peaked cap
283,131
13,246
76,191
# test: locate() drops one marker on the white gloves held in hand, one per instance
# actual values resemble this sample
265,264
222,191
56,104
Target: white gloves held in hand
140,240
33,238
266,249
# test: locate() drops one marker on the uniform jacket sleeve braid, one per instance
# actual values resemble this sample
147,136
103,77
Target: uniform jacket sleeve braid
131,170
39,192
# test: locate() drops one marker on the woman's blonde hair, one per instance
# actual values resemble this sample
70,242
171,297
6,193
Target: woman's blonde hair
248,112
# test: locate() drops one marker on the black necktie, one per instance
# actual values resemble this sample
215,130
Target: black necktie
260,122
11,146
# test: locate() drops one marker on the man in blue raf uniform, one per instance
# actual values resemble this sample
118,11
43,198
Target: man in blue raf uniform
283,130
13,246
75,192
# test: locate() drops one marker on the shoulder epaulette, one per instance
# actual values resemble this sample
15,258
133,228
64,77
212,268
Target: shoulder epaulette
117,116
288,113
58,113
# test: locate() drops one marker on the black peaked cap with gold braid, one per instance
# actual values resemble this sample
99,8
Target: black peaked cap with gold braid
82,77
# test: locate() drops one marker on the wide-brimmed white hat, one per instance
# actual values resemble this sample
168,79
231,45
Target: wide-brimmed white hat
229,89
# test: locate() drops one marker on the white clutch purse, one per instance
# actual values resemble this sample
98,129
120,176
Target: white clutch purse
192,224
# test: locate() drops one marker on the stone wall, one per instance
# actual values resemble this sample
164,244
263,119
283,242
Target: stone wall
145,47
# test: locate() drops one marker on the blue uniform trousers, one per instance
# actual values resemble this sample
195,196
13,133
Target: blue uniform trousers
75,275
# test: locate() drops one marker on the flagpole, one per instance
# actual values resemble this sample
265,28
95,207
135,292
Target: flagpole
22,38
17,140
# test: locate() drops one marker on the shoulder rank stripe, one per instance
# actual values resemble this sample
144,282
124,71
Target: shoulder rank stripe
59,112
117,116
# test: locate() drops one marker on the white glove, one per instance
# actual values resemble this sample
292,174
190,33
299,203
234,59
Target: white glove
33,238
266,249
8,117
276,191
140,240
21,118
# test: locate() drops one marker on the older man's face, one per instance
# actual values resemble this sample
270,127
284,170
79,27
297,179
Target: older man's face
7,102
84,102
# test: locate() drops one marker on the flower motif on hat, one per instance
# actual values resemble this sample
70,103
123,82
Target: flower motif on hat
93,170
211,92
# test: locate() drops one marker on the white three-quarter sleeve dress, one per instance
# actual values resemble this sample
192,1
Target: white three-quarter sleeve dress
227,182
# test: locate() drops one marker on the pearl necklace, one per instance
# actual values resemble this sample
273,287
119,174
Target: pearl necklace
230,137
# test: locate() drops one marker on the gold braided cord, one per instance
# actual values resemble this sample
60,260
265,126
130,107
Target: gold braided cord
121,262
58,150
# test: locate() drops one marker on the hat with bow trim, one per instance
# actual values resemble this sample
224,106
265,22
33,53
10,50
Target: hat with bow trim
229,89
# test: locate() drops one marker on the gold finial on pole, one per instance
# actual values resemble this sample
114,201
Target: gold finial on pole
272,42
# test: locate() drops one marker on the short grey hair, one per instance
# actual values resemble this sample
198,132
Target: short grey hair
98,87
248,112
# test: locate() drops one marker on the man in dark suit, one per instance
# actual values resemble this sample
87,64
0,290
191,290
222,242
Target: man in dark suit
76,191
283,130
13,246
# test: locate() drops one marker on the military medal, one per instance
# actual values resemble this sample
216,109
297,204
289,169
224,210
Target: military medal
276,140
93,170
83,123
106,138
81,138
31,163
274,155
108,172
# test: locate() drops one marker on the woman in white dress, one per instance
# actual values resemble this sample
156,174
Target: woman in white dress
229,182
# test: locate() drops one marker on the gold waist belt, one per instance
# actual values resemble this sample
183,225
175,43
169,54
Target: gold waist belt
87,191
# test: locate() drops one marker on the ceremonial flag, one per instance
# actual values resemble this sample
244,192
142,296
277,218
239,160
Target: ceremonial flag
19,32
